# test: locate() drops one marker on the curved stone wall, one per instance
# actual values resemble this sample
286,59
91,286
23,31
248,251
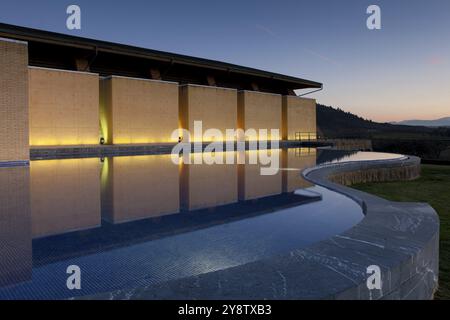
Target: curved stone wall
402,239
373,172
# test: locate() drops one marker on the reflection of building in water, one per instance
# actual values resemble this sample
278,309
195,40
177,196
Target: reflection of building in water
204,185
65,195
252,184
298,158
139,187
15,226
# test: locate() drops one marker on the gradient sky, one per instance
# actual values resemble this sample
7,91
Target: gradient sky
399,72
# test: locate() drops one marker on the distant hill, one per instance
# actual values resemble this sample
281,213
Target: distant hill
443,122
337,123
425,142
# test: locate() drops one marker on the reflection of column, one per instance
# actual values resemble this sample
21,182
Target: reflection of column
139,187
65,195
15,226
252,184
204,185
298,158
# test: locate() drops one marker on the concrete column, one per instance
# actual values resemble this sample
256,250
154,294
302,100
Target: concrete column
257,110
135,111
14,146
63,107
215,107
299,118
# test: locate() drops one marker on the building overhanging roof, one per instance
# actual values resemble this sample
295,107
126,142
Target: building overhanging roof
42,38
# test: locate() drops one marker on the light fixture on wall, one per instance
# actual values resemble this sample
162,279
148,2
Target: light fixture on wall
102,140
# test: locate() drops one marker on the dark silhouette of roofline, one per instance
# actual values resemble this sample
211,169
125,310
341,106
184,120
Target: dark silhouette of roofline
59,40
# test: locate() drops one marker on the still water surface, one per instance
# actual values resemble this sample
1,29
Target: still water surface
138,220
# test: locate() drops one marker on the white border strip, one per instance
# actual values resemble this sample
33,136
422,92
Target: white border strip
13,41
62,70
138,79
205,86
260,92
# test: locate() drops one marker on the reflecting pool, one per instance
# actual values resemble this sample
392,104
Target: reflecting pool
137,220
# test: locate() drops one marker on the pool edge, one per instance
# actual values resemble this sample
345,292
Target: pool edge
401,238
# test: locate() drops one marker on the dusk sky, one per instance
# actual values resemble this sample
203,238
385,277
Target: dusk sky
399,72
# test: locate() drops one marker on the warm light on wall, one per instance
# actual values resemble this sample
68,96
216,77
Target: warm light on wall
269,138
63,141
143,118
104,130
104,173
118,139
305,151
304,136
63,107
142,140
209,141
65,165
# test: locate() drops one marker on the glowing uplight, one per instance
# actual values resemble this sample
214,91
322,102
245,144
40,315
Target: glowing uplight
62,141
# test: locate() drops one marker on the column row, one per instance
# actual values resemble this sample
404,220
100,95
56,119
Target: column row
74,108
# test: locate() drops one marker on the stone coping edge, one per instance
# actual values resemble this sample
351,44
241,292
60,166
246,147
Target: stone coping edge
92,151
401,238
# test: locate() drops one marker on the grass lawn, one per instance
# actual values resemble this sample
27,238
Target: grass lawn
432,187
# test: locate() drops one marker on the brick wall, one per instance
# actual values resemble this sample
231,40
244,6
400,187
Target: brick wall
215,107
134,111
257,110
299,116
13,101
63,107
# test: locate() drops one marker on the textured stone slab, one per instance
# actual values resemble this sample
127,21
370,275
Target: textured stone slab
58,152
